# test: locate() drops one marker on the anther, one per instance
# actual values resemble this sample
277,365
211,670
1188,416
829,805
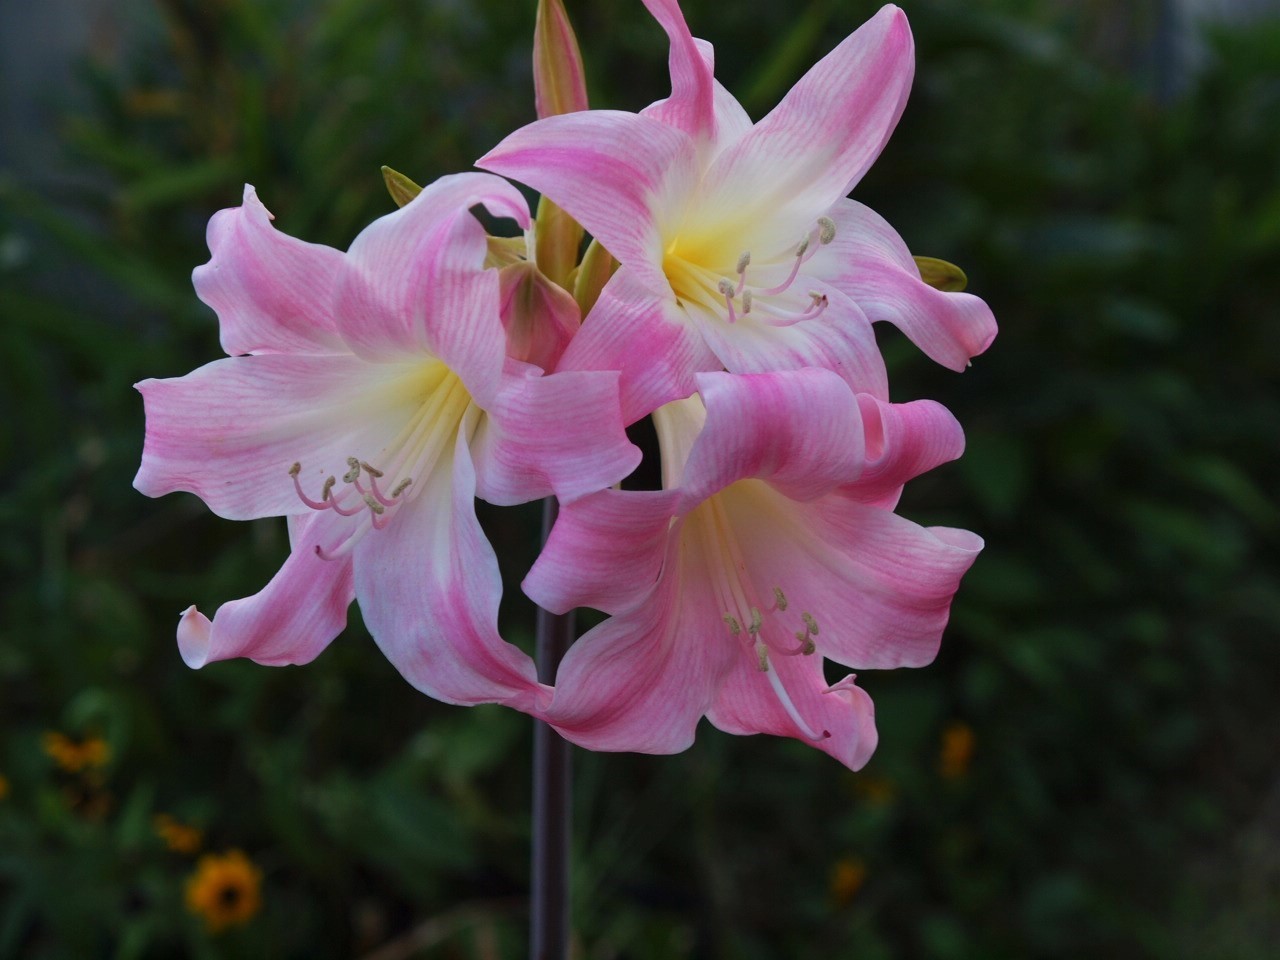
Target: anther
373,504
803,248
371,471
744,261
352,475
328,487
807,646
295,469
762,658
810,624
735,628
779,598
401,487
826,230
726,287
746,302
757,621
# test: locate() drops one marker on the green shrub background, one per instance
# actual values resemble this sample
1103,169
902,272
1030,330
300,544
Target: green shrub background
1114,651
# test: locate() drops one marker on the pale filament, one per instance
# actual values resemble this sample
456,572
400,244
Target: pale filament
744,613
418,446
749,298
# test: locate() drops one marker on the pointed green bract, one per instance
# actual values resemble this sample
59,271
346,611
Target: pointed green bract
557,239
559,83
596,269
941,275
401,188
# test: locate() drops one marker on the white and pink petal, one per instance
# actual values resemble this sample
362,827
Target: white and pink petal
230,431
605,551
291,620
272,293
799,431
870,263
429,587
793,699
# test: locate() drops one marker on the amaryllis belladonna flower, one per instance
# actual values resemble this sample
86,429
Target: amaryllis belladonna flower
772,546
369,397
738,247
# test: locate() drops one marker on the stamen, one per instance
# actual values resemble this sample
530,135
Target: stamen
757,621
727,289
779,599
320,504
788,317
810,624
374,505
401,487
327,488
784,699
735,627
826,230
346,546
373,472
339,509
762,658
744,261
746,302
352,475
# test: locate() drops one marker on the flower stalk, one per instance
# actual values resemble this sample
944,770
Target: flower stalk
552,766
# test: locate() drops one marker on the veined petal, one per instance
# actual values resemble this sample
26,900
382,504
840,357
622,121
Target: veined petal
840,340
748,704
415,281
229,431
869,262
732,121
621,176
642,681
645,337
799,431
691,106
429,588
560,434
903,440
878,585
272,293
824,135
605,551
290,620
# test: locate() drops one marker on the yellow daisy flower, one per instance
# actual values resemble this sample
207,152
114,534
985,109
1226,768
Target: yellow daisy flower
178,837
225,890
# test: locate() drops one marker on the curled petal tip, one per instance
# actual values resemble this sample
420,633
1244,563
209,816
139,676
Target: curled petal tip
194,629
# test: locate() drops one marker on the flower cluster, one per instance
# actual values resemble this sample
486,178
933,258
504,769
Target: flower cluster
728,292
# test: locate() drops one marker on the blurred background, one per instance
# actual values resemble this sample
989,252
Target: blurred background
1089,769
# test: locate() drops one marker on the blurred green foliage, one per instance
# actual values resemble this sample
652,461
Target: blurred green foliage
1106,693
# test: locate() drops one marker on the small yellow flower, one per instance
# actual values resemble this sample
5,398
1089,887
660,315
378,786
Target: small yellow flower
225,889
956,753
178,837
847,877
4,786
90,753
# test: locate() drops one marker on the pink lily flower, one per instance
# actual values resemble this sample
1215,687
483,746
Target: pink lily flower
369,398
737,245
772,546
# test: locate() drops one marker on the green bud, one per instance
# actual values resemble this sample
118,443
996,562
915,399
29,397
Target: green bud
401,188
594,272
941,275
